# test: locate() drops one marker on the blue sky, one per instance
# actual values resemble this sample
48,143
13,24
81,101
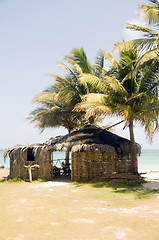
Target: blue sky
34,36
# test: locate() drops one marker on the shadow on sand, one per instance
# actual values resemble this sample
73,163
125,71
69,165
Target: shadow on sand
65,178
139,189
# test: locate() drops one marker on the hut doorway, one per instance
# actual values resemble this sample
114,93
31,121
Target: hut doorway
60,166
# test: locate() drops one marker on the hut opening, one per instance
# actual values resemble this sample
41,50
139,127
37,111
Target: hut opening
61,162
30,155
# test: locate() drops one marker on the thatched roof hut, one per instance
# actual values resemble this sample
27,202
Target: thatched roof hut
21,156
95,154
91,137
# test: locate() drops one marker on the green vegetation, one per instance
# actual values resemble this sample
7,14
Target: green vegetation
19,180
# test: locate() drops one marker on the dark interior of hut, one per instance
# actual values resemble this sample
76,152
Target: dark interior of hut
30,155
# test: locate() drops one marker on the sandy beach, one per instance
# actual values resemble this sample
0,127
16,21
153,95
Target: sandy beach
151,178
59,210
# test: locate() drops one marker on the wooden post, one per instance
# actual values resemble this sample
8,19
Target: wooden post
30,175
29,167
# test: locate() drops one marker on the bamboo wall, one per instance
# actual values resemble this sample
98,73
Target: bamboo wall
97,165
89,164
18,159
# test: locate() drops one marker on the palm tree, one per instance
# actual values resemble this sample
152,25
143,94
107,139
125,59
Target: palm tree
149,44
58,101
128,92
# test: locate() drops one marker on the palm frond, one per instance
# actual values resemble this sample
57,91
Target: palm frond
98,110
53,88
96,98
79,56
69,70
98,68
99,62
151,12
112,60
95,104
115,85
142,44
150,55
147,31
150,123
95,82
58,78
46,98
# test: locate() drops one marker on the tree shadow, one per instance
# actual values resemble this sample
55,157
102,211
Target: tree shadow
137,188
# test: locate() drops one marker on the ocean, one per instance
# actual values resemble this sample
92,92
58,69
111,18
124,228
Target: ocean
148,160
6,163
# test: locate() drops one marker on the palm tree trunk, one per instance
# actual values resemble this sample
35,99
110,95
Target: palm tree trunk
67,157
68,150
134,164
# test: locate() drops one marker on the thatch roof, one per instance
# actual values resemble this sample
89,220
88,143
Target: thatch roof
22,148
91,137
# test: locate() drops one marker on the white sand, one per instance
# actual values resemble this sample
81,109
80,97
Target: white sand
151,175
152,180
54,184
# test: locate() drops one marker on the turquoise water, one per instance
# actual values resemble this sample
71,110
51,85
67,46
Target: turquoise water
148,161
6,163
59,157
